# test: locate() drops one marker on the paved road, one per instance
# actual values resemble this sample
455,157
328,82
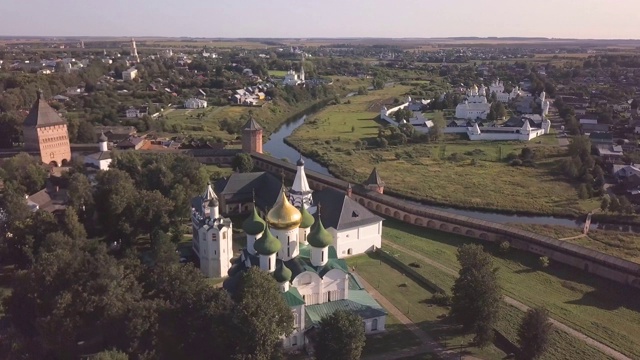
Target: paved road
429,345
520,306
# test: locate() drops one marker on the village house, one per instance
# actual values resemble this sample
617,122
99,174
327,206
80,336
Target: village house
129,74
195,103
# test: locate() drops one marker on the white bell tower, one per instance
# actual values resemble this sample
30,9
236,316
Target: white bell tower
214,237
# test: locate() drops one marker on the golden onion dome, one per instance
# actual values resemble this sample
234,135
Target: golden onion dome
283,215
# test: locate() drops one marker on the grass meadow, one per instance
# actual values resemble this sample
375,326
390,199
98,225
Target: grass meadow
454,171
604,310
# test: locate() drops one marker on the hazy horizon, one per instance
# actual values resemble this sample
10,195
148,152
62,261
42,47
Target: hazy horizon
560,19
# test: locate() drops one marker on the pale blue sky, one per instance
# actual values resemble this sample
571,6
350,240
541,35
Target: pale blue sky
600,19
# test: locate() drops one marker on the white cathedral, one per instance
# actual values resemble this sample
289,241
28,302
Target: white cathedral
498,88
301,250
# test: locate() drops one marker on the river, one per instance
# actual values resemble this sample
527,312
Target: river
279,149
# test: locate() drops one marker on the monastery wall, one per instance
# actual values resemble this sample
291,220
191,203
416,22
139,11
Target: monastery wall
594,262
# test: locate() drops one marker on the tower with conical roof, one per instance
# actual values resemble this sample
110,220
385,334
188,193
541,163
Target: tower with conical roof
212,235
252,137
300,192
374,182
284,220
45,131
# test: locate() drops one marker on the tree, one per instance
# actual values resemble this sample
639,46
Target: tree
243,163
378,83
72,225
340,336
614,203
534,333
476,293
580,146
583,192
110,355
9,130
625,205
260,316
86,133
606,201
80,193
526,153
25,170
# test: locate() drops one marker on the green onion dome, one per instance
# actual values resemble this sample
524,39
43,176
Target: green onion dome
282,274
319,237
307,219
254,224
267,244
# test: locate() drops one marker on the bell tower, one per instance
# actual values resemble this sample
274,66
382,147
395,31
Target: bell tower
252,137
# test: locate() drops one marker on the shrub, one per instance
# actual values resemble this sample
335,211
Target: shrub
328,141
511,156
441,299
351,152
504,247
516,162
543,262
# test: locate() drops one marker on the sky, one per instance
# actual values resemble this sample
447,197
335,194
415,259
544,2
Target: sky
582,19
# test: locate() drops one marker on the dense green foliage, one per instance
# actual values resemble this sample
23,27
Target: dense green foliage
534,334
340,336
476,293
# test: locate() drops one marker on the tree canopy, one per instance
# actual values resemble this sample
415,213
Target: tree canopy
340,337
476,293
534,334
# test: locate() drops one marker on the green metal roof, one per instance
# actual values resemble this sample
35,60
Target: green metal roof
293,297
319,237
307,219
267,244
359,302
354,283
282,273
253,225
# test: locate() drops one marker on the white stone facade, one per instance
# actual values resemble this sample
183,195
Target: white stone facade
194,103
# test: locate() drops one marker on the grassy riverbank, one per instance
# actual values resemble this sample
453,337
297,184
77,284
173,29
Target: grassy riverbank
600,308
620,244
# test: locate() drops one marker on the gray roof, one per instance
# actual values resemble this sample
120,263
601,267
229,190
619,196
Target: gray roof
374,178
341,212
102,155
42,115
252,124
239,187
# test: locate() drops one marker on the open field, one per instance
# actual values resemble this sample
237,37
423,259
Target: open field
621,244
410,298
604,310
188,121
477,179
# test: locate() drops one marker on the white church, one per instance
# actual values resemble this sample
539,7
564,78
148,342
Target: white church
475,105
498,88
301,250
292,78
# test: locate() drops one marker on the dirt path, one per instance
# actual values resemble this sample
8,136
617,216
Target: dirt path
520,306
429,345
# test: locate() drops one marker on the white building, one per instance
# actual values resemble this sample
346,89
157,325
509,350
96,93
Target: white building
498,88
102,159
292,78
475,105
133,113
504,133
129,74
194,103
417,120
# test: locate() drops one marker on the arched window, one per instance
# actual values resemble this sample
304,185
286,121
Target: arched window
374,325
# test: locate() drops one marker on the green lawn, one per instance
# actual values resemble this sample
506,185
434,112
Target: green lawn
411,298
620,244
479,179
604,310
278,73
396,337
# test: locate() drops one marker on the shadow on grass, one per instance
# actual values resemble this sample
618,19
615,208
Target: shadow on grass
608,295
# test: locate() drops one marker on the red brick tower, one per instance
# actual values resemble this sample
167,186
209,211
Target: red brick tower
45,131
252,137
